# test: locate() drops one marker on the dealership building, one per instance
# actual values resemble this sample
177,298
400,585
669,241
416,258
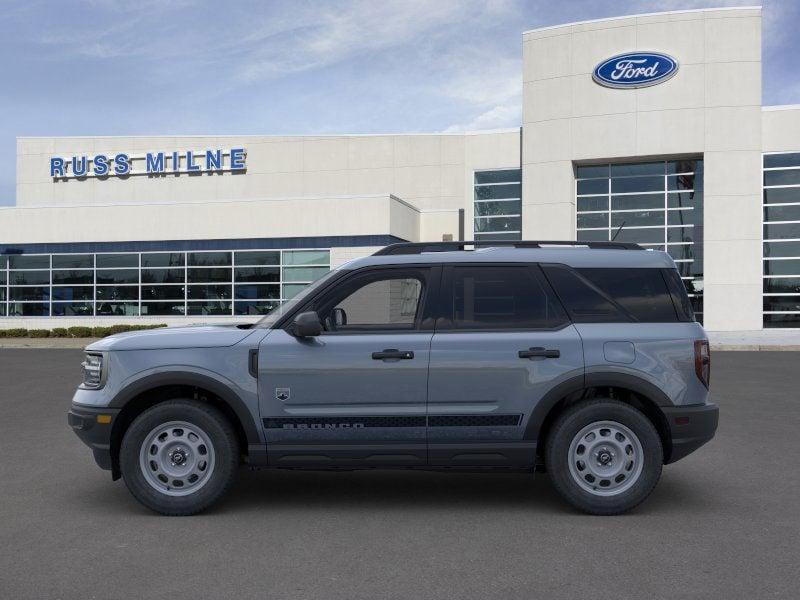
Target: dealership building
646,128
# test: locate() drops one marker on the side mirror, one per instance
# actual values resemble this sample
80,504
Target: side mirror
306,324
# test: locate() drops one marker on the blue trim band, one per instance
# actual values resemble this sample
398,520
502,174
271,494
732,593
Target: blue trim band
188,245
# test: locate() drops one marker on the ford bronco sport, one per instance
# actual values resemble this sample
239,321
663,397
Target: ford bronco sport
579,358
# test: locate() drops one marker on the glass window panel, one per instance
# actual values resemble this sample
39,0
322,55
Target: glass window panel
29,293
209,259
637,219
29,277
307,274
116,261
637,184
483,209
642,292
162,292
253,308
163,259
122,292
593,203
2,294
257,258
786,320
163,275
685,200
593,186
28,309
680,234
788,177
684,182
782,267
782,195
306,257
27,261
782,303
684,217
500,176
117,309
781,249
782,213
73,277
593,235
681,251
635,201
162,308
2,310
118,276
782,231
73,309
209,292
3,261
494,237
587,171
782,160
790,285
502,224
644,236
593,220
292,289
651,168
684,166
492,192
209,308
73,261
255,292
257,274
209,275
73,292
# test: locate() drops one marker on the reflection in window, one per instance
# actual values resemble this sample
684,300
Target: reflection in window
498,205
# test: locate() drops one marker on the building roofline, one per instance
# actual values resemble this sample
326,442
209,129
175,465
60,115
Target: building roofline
651,14
268,135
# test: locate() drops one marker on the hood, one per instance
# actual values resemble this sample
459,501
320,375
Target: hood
200,336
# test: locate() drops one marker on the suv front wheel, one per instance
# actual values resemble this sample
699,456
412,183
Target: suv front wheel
603,456
179,457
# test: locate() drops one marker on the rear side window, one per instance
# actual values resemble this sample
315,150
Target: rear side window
641,292
501,297
585,302
680,299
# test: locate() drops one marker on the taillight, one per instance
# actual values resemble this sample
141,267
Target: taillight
702,361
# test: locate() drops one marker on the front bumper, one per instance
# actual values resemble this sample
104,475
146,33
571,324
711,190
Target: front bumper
690,427
90,425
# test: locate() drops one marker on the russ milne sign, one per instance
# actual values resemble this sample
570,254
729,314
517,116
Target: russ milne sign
635,70
151,163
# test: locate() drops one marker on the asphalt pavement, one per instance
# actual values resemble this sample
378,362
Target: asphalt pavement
722,523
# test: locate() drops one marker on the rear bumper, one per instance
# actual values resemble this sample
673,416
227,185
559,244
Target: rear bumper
96,435
690,427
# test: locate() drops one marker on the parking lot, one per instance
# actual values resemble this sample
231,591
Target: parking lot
723,523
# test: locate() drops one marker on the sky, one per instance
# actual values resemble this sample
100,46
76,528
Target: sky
160,67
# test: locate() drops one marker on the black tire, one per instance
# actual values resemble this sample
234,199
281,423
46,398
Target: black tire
557,456
221,436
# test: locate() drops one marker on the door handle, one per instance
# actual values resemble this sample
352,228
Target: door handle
393,353
539,353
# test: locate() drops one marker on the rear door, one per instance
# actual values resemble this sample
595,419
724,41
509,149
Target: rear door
501,343
356,394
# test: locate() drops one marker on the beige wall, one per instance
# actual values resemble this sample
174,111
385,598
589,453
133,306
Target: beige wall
712,107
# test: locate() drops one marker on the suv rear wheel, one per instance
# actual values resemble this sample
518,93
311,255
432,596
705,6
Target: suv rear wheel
604,456
179,457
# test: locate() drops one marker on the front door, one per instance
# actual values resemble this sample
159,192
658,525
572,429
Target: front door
355,395
502,342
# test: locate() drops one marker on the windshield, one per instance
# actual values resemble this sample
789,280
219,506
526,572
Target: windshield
288,306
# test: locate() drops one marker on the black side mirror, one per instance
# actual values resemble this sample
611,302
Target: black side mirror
306,324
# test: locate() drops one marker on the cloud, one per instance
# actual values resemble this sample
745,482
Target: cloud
498,117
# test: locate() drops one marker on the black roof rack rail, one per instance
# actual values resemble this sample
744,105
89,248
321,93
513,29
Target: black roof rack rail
420,247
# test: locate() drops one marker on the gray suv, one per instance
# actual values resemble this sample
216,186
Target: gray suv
581,359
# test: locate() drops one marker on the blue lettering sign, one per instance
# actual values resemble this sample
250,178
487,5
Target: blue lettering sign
190,166
79,166
237,159
635,70
100,165
155,162
213,160
121,164
56,167
176,162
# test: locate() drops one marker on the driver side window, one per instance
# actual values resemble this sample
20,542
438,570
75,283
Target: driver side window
382,302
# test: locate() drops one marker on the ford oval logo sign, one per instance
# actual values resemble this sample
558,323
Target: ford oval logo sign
635,70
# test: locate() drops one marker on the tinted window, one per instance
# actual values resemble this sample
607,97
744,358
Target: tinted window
584,303
488,297
383,303
642,292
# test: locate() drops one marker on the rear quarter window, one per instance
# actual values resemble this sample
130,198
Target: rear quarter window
641,292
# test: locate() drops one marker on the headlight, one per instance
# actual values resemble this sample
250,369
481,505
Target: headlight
93,371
